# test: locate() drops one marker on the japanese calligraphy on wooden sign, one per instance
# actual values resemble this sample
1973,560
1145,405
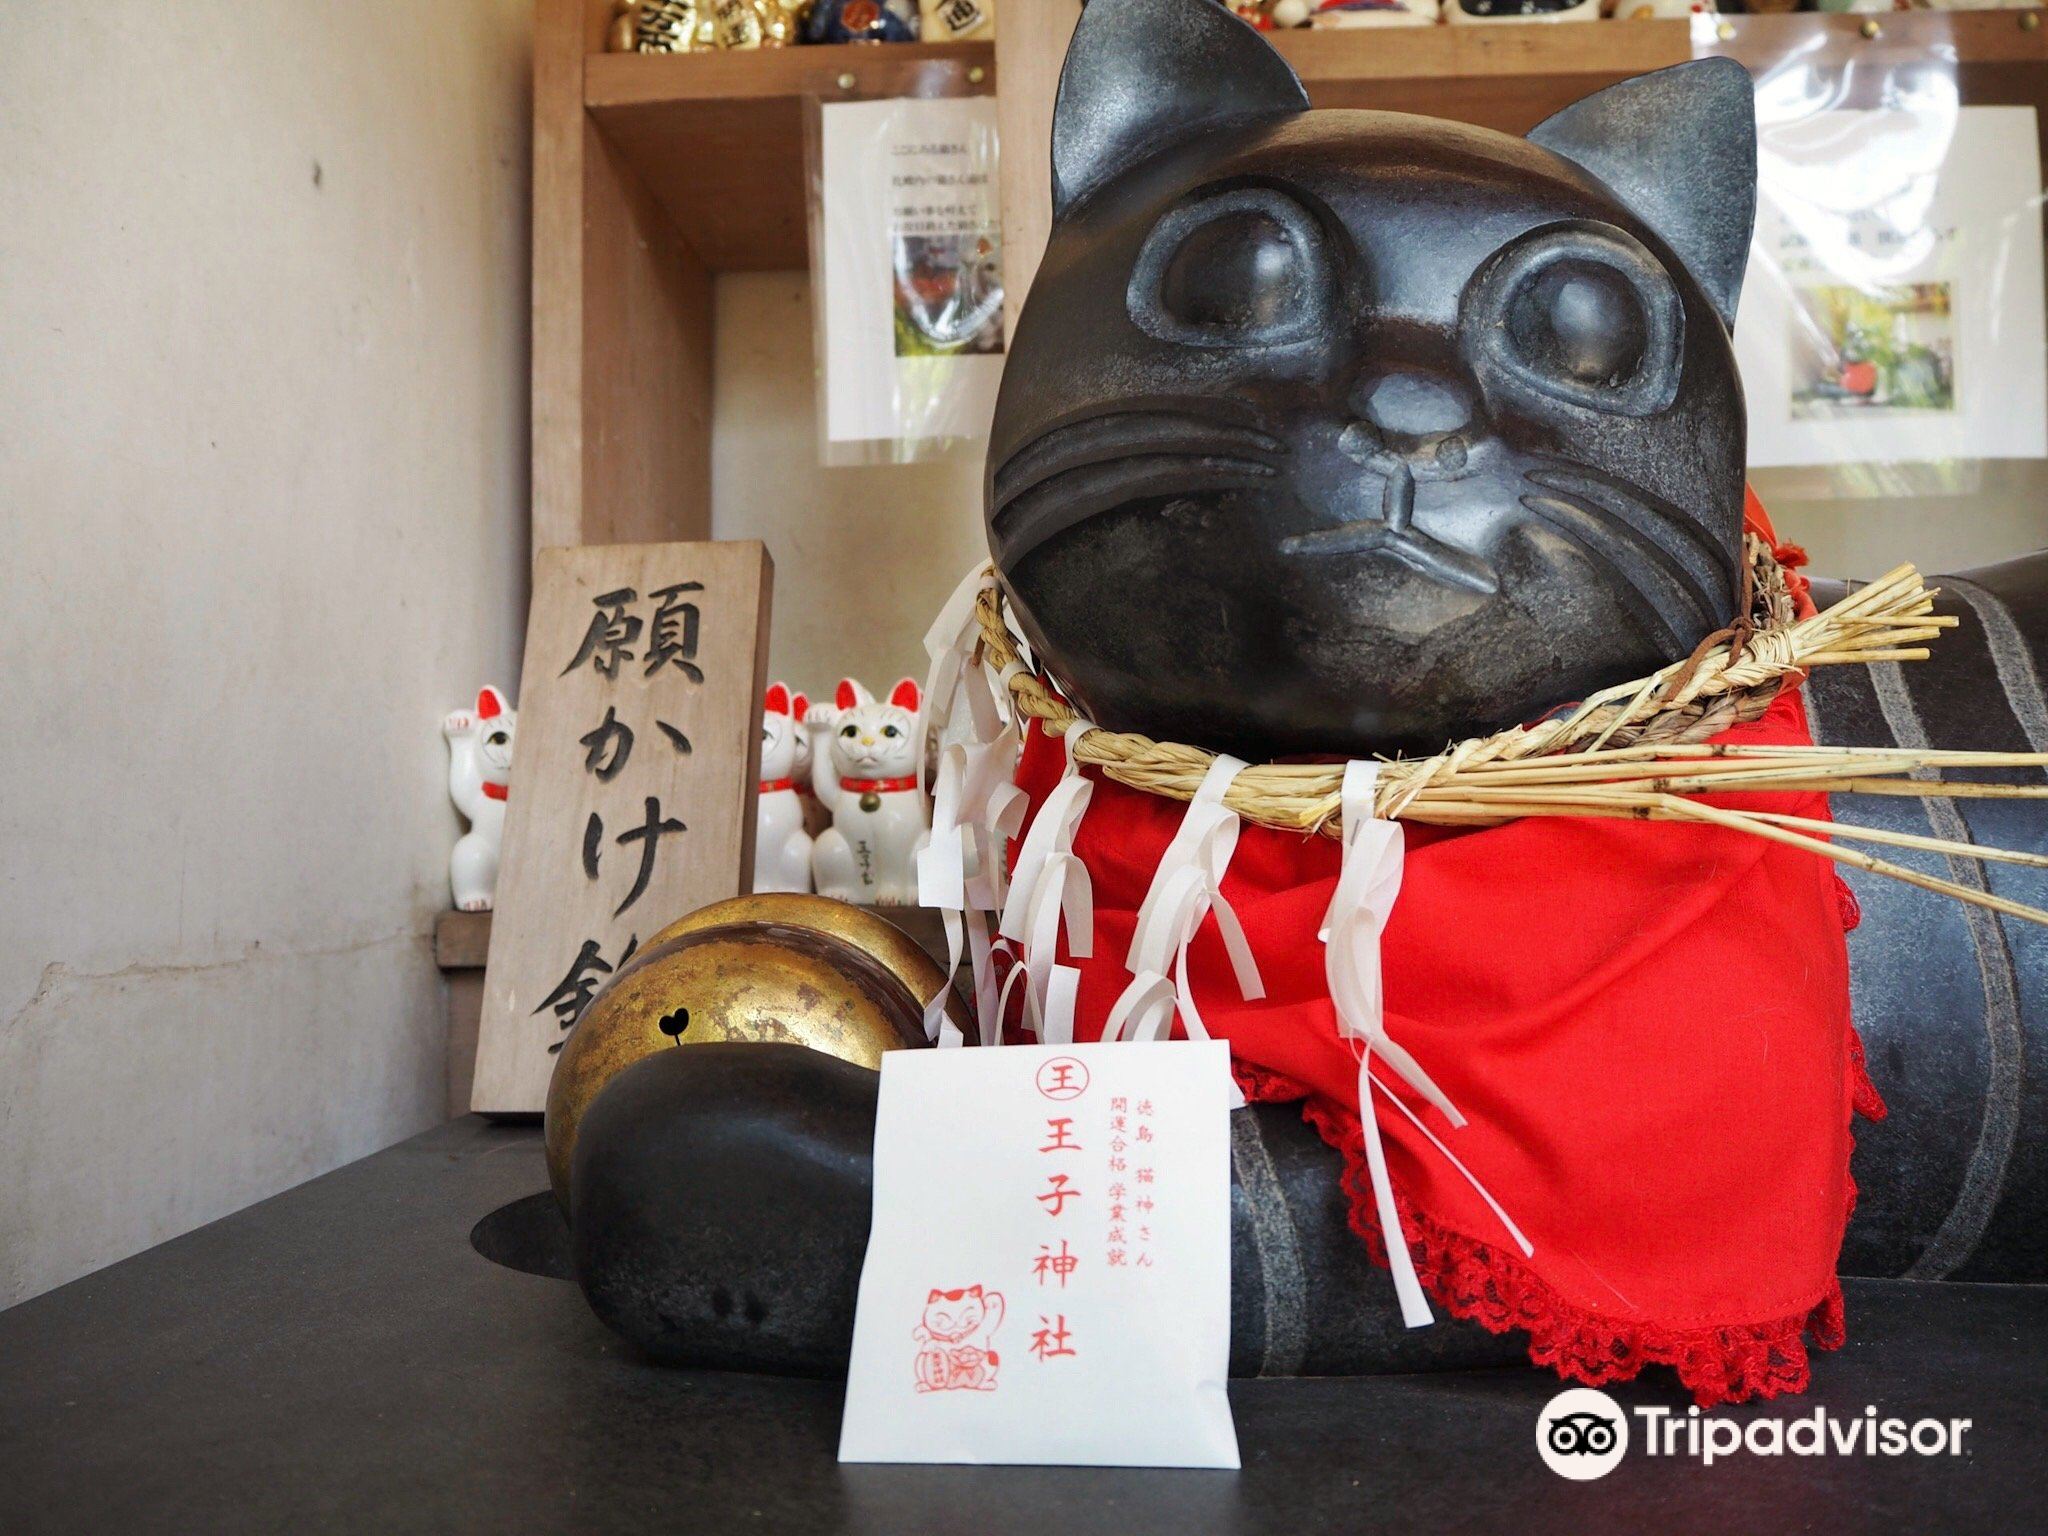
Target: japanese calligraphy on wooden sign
1068,1301
632,799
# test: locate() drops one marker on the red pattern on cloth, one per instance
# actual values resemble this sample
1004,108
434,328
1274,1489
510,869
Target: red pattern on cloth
1647,1027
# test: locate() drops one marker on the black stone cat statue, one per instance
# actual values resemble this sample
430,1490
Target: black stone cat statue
1321,431
1355,431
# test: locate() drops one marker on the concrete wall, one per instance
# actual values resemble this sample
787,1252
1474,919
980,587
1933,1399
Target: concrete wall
263,447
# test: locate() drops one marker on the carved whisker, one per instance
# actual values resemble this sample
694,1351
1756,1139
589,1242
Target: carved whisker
1121,434
1058,501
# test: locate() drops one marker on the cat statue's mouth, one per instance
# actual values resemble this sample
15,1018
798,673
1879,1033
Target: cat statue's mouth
1440,562
1394,464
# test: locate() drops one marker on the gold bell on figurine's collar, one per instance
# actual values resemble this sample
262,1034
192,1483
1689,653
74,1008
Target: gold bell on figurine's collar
796,969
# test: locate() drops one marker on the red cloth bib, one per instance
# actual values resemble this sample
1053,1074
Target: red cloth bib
1646,1026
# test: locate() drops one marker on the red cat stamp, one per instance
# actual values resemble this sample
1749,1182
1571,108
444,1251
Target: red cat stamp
956,1340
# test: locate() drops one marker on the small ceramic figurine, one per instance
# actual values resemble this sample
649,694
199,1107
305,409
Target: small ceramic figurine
693,26
479,769
862,21
782,848
1465,11
1661,10
958,21
656,26
1325,14
800,711
868,779
744,24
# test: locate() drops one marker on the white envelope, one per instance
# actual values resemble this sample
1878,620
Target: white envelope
1048,1273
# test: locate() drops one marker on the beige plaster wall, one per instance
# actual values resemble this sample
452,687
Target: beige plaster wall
263,382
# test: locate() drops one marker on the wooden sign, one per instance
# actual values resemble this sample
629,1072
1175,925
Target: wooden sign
633,782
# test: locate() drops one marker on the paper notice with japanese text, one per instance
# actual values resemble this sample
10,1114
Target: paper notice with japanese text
906,274
1048,1273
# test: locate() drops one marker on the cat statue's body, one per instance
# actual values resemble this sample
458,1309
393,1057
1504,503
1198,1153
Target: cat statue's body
867,775
782,848
479,779
1320,432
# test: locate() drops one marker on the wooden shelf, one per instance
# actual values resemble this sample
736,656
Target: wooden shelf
1504,77
718,138
462,940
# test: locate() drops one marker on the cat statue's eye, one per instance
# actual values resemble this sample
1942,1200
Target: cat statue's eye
1583,320
849,731
1583,314
1234,268
891,732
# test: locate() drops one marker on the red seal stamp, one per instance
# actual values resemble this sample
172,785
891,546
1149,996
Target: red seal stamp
1063,1077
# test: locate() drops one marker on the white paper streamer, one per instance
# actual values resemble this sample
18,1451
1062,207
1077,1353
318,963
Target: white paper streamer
975,810
949,645
1186,888
1369,883
1050,887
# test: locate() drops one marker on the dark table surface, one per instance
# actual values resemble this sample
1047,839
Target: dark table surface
341,1359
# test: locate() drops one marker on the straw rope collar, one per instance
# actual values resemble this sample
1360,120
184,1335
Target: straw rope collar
1640,750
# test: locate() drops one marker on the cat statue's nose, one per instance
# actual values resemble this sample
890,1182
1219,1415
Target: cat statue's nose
1404,403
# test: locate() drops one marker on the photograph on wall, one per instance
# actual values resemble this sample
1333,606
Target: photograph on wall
949,295
1892,310
1872,353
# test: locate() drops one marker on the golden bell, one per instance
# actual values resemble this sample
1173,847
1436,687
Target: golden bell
804,970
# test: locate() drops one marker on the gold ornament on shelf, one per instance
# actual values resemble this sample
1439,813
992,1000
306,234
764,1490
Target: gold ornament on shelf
657,26
776,967
694,26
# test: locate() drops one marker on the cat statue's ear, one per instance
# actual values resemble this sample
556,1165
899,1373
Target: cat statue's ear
1679,147
1143,74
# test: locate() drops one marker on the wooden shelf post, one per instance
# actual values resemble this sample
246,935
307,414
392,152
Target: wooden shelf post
621,323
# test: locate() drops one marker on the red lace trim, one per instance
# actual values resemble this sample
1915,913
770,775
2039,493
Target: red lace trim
1494,1289
1863,1095
1849,907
